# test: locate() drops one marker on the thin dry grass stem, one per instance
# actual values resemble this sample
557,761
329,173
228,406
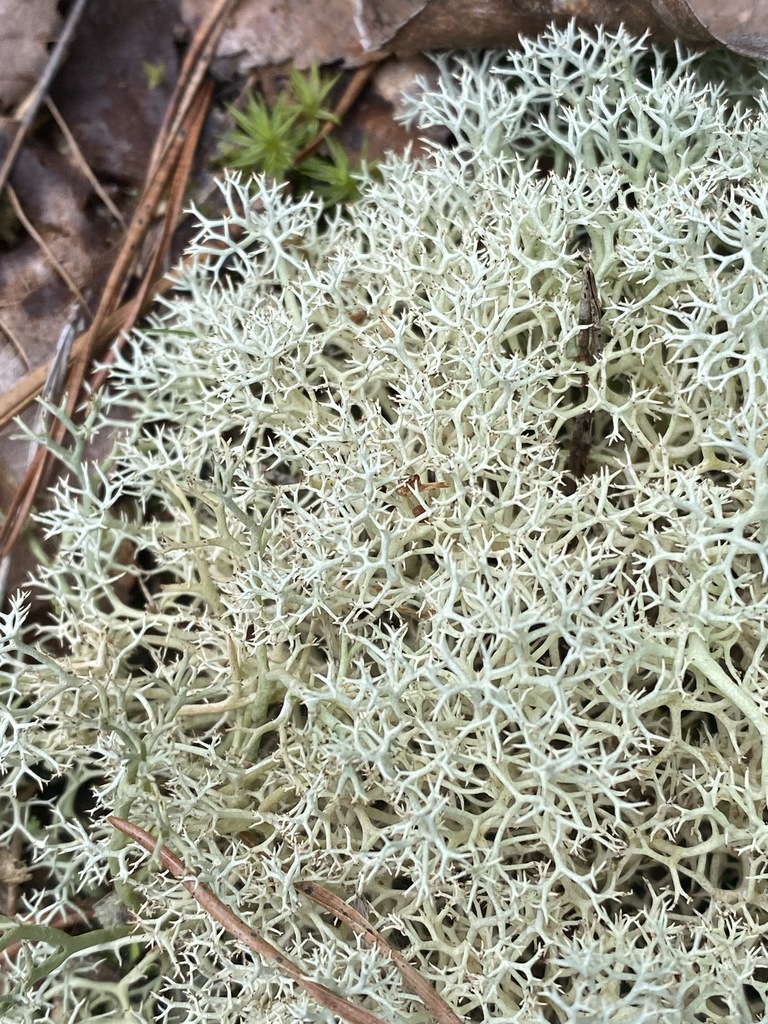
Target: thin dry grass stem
57,372
15,344
81,162
217,910
32,231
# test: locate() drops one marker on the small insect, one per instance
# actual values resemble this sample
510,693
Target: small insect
413,485
590,347
590,314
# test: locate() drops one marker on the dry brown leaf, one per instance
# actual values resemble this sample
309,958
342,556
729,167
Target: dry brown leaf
742,25
259,33
104,91
357,31
27,30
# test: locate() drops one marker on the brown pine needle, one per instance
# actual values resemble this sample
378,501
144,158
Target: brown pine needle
16,345
172,215
220,912
418,985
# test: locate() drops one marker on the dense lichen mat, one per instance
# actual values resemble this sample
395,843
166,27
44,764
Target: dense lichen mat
394,583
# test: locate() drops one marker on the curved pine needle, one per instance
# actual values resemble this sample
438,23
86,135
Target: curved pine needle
415,982
220,912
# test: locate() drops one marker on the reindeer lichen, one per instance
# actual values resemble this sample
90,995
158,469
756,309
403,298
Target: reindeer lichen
388,585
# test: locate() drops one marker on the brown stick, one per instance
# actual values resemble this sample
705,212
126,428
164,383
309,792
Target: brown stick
143,297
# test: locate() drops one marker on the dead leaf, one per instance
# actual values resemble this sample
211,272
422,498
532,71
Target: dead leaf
358,31
28,29
11,871
115,86
741,25
262,33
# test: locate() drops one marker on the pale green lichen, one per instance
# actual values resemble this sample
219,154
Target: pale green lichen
528,723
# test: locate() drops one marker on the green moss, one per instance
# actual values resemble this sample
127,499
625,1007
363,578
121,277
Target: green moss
272,140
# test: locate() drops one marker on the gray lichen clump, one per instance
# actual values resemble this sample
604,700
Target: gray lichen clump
444,595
